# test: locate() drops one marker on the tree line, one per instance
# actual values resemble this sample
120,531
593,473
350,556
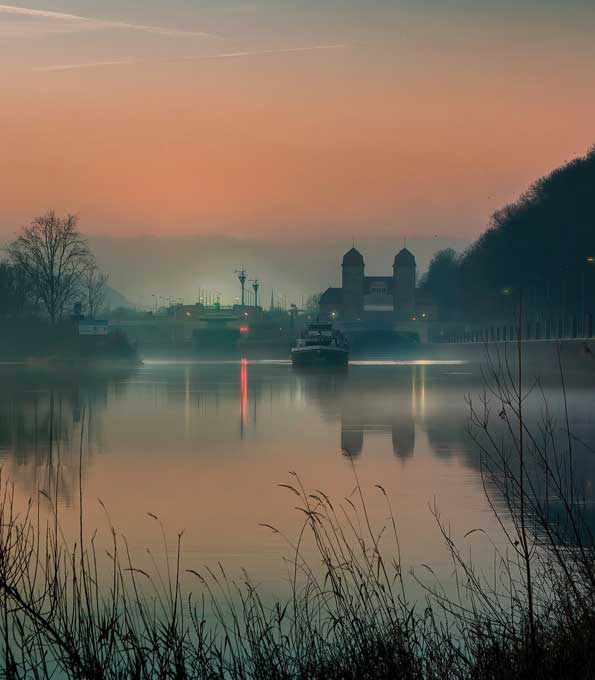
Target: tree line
542,244
47,269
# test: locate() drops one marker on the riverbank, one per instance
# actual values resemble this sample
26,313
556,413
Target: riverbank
60,347
541,358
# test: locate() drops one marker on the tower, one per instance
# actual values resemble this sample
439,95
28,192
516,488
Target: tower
352,281
404,284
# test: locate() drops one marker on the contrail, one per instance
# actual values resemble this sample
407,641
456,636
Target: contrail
256,53
92,22
204,57
89,64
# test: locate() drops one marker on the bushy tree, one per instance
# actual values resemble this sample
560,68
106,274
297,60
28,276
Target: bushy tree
15,294
543,244
441,283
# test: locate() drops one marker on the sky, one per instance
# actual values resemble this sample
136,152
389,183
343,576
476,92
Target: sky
288,121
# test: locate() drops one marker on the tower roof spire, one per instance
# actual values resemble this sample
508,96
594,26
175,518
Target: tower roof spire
353,257
404,258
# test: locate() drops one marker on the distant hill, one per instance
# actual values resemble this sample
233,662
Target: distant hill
114,299
543,244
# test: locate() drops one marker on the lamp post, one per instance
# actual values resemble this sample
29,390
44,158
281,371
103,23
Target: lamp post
589,261
242,277
255,286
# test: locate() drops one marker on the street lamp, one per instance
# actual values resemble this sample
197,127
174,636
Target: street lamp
255,286
589,260
242,277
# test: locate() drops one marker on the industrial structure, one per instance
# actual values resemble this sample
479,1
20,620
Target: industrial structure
372,300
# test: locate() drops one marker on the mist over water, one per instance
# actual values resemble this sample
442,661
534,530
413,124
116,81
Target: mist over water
204,446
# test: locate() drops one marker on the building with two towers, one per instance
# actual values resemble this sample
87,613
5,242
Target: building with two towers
372,300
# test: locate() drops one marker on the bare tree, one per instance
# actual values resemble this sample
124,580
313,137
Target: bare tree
55,258
313,303
94,290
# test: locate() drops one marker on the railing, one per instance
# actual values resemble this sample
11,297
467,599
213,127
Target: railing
541,329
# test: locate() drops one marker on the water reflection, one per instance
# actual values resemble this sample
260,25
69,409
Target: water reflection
208,413
46,422
369,401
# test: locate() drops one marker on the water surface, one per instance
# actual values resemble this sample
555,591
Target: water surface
204,446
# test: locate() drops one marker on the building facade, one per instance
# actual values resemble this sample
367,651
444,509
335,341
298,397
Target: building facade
372,300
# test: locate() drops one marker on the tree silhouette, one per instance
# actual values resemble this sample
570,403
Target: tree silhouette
543,243
441,283
94,290
55,258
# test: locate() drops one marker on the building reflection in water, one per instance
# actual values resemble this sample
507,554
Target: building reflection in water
193,410
369,401
390,409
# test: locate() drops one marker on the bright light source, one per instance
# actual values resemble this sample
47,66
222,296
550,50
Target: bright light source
423,315
591,259
333,313
245,313
244,329
188,314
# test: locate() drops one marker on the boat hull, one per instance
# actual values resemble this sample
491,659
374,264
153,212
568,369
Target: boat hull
319,356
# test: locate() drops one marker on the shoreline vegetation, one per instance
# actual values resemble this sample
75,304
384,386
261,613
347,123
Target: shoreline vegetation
349,614
41,345
49,283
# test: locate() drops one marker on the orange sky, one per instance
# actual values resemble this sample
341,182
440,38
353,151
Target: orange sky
409,121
